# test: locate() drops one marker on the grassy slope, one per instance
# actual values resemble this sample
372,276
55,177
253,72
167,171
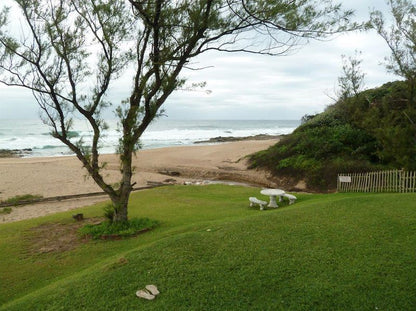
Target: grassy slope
338,252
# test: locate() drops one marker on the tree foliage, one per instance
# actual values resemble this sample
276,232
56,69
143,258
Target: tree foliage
351,82
400,37
68,52
365,132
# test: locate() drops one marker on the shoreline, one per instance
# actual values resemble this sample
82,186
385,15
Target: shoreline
28,152
64,175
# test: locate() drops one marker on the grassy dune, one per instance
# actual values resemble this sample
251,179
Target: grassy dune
212,252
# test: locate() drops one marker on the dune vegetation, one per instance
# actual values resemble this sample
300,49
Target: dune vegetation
212,252
373,130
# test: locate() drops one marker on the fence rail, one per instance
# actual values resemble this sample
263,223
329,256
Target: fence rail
382,181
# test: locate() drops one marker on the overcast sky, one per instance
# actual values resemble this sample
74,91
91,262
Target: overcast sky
246,86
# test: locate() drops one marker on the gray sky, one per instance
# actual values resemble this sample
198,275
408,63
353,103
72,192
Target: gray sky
246,86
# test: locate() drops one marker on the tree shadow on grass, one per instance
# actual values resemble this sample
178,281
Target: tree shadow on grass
56,237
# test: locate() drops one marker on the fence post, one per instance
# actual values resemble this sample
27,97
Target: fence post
407,181
399,176
339,189
413,181
397,181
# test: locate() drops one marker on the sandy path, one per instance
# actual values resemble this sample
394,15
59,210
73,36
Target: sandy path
65,176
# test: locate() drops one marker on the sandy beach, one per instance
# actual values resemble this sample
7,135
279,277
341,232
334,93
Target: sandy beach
60,176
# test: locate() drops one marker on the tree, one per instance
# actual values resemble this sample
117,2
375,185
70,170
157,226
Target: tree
69,51
400,36
351,82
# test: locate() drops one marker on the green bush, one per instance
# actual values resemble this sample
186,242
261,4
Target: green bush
6,210
371,131
109,212
110,230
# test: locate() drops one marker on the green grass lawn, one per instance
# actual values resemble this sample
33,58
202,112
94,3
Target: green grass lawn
212,252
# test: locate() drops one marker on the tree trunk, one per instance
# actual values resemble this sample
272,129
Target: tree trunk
121,200
120,208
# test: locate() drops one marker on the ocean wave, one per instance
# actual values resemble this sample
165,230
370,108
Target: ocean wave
47,147
73,134
24,135
70,134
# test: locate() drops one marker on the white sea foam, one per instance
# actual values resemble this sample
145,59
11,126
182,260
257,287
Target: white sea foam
33,134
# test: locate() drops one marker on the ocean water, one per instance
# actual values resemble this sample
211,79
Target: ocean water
34,135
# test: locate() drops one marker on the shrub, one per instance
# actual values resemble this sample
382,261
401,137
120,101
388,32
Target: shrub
371,131
6,210
110,230
109,212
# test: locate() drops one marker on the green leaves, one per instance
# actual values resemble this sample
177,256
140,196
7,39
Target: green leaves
362,133
351,82
400,37
112,230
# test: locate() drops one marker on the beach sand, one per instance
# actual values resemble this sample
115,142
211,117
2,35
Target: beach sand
60,176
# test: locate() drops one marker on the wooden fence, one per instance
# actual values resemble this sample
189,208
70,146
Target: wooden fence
383,181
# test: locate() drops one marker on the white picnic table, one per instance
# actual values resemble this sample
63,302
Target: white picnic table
272,193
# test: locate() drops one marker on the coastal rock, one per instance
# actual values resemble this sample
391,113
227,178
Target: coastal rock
221,139
14,153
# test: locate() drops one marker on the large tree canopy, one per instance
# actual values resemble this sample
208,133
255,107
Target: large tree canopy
69,51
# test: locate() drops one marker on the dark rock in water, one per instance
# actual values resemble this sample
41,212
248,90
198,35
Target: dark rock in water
14,153
221,139
5,153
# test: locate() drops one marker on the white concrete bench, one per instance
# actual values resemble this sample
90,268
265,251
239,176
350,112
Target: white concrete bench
254,200
291,198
